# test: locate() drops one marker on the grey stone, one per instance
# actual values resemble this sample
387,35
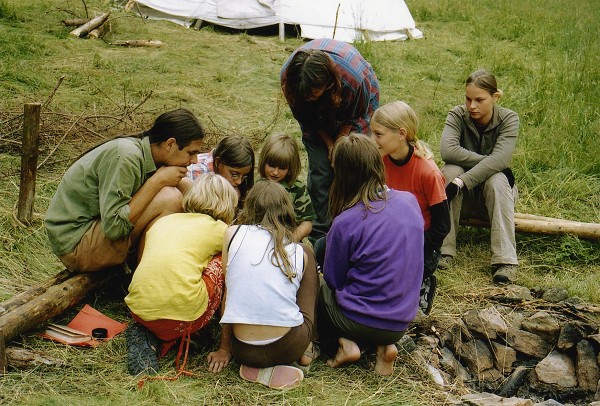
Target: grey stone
513,318
542,324
430,342
597,395
514,381
588,372
527,343
457,334
514,294
406,344
475,324
476,356
504,357
452,366
549,402
557,369
594,337
570,334
489,399
555,295
491,375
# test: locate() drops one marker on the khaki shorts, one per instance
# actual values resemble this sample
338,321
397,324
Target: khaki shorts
95,251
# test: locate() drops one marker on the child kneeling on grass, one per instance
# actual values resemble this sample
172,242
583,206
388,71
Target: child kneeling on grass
280,162
178,283
271,292
373,261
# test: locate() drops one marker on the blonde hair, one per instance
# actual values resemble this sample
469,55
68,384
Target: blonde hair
397,115
281,151
268,205
358,174
213,195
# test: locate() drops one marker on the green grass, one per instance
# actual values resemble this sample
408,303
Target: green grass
544,54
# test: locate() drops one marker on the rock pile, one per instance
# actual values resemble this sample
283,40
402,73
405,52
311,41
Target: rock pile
531,344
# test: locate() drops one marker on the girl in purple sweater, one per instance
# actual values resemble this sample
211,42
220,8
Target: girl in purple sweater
373,261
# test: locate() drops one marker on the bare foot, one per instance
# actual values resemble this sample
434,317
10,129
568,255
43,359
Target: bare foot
309,355
384,359
348,351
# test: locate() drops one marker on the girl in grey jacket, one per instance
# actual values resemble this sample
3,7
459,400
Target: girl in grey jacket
477,143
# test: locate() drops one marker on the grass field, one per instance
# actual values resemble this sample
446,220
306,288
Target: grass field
545,55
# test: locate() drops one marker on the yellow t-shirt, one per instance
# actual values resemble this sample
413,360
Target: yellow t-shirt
167,283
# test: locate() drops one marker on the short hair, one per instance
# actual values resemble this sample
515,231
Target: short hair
281,151
397,115
358,173
485,80
213,195
180,124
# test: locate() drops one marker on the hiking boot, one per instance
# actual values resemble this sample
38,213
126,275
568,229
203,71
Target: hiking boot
445,262
427,293
505,273
142,350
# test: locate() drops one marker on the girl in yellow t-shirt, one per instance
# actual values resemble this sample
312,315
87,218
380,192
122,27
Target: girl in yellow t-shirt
178,283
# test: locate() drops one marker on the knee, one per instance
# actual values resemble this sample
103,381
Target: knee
450,172
497,184
169,199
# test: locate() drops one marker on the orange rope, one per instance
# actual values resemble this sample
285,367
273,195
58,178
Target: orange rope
185,342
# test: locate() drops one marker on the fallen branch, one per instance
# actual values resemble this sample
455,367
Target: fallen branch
21,358
138,43
83,30
529,223
49,99
75,22
57,295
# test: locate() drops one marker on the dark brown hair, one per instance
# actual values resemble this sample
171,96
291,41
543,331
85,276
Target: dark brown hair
483,80
310,69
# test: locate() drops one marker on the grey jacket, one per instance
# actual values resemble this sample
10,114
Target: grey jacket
480,156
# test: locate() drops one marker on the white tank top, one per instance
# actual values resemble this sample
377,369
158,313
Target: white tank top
258,292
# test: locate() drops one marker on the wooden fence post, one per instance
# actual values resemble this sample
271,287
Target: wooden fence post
31,135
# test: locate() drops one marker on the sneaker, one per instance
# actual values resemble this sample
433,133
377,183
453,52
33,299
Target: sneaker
505,273
142,350
427,293
445,262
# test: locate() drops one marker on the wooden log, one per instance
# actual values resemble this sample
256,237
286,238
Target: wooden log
138,43
29,156
96,32
54,301
33,292
95,22
75,22
528,223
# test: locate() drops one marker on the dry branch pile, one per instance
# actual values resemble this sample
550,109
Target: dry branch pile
98,26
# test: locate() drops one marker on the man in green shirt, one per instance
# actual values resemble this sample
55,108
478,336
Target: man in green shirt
110,196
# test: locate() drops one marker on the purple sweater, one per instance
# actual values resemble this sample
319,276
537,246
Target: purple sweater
374,261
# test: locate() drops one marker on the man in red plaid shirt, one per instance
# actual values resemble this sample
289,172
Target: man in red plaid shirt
332,91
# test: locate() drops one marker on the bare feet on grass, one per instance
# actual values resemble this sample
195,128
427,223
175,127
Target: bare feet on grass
384,359
347,352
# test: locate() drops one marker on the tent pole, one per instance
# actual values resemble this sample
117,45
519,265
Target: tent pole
281,23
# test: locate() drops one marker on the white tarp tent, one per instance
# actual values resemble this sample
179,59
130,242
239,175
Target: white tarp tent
346,20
